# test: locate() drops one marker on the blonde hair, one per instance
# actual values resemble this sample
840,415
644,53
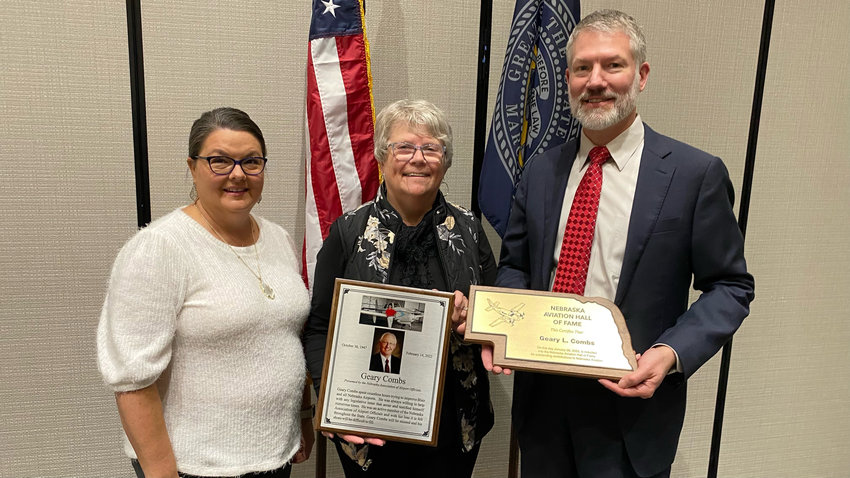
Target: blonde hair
611,21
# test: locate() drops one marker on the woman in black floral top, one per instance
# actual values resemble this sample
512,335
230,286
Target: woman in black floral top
411,236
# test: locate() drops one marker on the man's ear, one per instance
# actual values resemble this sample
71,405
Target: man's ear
644,74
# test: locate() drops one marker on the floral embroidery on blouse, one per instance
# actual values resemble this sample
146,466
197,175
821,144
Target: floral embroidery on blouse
452,238
380,238
472,220
467,431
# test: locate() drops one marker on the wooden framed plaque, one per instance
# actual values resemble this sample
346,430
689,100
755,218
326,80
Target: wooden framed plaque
385,362
551,332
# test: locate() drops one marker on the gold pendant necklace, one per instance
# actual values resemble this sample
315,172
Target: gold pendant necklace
265,288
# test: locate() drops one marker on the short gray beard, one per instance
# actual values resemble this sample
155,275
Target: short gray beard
598,120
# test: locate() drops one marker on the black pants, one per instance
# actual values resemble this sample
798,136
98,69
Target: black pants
396,459
282,472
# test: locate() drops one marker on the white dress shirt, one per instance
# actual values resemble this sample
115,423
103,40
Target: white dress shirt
619,178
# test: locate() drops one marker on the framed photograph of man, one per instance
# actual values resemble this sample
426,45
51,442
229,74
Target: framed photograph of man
387,347
385,362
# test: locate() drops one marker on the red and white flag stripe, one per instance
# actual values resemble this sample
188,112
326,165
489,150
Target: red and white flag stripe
341,172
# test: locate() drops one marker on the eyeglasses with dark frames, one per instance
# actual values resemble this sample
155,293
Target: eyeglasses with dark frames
223,165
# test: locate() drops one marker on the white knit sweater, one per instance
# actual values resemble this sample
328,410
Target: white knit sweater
184,312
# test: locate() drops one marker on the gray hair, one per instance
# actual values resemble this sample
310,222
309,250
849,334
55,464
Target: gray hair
222,118
611,21
416,114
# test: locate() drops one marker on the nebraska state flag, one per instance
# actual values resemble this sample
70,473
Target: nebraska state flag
532,110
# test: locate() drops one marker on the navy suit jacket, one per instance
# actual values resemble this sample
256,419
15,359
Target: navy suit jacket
682,227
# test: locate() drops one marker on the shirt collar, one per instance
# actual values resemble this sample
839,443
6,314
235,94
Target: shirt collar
622,148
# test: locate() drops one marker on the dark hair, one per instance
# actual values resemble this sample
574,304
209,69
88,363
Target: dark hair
222,118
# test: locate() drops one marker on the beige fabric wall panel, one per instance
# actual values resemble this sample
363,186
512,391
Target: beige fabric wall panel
428,50
68,204
245,54
789,390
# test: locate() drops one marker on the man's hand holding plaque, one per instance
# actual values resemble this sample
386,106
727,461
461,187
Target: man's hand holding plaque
653,366
551,332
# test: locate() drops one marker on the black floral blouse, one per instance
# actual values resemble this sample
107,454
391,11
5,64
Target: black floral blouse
447,250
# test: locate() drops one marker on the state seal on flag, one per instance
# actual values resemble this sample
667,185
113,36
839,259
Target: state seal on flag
532,110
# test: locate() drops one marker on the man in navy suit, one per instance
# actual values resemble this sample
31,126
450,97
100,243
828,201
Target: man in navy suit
664,220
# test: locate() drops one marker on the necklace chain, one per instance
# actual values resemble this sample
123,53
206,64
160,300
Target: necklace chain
267,290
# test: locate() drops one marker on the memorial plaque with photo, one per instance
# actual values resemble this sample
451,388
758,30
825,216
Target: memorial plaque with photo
385,362
551,332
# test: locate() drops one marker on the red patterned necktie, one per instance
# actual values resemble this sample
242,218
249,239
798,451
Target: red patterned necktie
387,366
571,275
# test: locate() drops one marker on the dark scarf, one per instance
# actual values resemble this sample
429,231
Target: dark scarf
415,250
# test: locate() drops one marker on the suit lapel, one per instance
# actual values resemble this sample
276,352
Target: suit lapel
553,202
653,182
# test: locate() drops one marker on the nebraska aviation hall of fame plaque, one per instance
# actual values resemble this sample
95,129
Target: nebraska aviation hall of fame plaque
551,332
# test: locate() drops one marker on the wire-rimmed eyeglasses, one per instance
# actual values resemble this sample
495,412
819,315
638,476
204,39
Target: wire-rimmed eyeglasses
404,151
223,165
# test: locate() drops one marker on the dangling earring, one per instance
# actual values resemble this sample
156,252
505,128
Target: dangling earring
193,193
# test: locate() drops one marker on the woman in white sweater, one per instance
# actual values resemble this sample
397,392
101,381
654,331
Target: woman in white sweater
199,333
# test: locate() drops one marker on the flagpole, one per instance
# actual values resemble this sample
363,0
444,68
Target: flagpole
137,101
481,97
743,214
485,22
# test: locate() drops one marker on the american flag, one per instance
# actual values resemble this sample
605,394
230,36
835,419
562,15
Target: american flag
341,171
